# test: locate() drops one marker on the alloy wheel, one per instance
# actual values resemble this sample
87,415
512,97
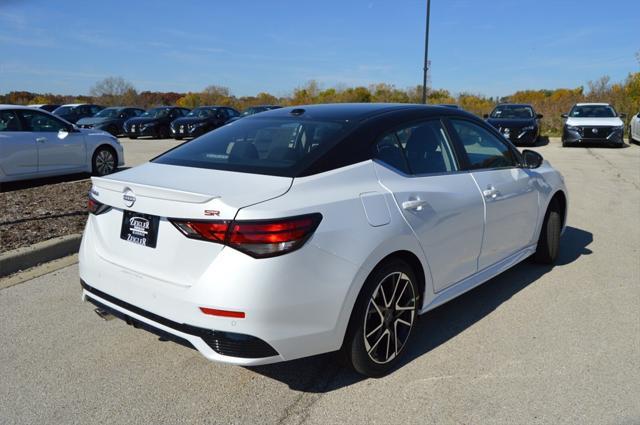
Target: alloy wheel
389,317
105,162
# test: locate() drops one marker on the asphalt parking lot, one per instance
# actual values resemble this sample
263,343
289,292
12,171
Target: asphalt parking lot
534,345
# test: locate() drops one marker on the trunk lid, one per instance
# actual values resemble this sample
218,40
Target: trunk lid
169,191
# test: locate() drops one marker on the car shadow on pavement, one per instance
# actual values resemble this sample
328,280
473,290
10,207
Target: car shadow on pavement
320,374
542,141
31,183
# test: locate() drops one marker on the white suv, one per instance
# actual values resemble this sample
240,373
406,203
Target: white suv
593,123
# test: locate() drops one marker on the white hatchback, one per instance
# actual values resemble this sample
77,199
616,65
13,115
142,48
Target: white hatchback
313,229
35,143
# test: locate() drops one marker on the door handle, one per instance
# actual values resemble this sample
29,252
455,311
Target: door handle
414,204
491,192
41,139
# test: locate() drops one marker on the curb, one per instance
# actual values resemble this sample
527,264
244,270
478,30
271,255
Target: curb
41,252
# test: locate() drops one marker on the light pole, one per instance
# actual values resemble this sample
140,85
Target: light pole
426,55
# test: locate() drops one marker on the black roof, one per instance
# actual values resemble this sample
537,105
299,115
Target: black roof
355,111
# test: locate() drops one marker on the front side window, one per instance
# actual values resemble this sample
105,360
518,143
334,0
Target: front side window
483,149
274,146
9,121
41,123
418,149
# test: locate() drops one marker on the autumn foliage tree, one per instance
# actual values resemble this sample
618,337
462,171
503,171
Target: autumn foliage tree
623,95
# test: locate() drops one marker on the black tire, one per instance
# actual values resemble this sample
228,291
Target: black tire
178,138
375,330
549,240
104,161
133,137
113,130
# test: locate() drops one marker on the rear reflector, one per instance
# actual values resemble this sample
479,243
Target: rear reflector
223,313
259,238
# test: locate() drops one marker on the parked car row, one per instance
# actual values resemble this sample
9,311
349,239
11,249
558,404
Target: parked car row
160,122
585,123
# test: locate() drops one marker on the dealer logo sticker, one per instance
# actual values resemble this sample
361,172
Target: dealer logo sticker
138,230
129,197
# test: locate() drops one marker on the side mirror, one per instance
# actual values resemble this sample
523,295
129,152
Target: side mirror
531,159
62,133
485,116
565,115
622,115
539,116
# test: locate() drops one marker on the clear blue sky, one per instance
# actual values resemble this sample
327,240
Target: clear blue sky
487,47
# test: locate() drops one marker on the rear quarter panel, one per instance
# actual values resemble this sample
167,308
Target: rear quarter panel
345,231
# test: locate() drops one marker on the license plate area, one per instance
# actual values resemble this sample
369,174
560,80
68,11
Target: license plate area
140,229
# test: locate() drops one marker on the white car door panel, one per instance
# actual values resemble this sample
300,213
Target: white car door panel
446,213
59,150
508,191
442,205
18,151
511,212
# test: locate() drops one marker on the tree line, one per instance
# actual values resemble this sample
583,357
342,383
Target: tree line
623,95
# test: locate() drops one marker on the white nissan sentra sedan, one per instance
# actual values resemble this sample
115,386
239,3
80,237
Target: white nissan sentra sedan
35,143
313,229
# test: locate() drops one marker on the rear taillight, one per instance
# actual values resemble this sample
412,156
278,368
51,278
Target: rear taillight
259,238
96,207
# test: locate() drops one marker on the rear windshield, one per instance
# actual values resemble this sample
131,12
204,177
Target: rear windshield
274,146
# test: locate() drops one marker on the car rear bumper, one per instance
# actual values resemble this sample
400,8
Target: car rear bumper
292,303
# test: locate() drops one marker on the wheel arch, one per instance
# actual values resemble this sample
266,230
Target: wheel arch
99,146
104,145
559,198
405,253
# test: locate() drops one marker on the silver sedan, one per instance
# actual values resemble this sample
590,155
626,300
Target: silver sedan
35,143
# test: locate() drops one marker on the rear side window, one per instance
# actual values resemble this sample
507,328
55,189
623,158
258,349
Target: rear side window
9,121
418,149
483,149
275,146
